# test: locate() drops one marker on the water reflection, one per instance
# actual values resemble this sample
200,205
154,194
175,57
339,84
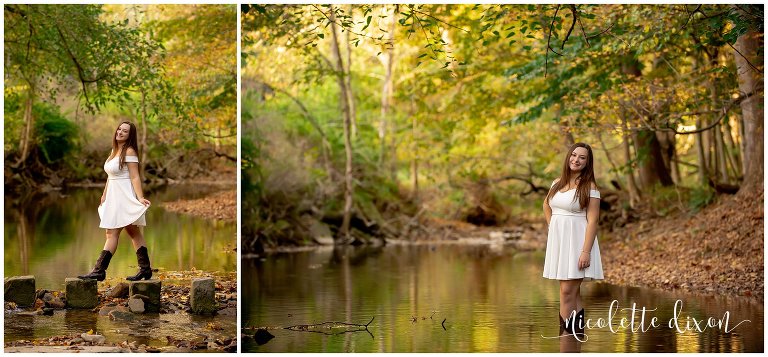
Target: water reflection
57,235
148,329
492,300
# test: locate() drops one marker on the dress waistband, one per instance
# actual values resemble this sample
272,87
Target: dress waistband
569,214
119,178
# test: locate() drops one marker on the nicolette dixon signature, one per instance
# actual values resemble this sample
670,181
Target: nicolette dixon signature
641,321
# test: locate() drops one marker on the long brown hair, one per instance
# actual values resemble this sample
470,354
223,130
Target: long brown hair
131,142
585,179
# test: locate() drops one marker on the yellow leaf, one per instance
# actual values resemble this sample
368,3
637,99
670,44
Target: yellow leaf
90,332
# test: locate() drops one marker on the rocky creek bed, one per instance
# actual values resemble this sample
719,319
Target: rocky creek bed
118,324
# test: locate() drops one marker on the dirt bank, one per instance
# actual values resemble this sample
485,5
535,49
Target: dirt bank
221,205
717,251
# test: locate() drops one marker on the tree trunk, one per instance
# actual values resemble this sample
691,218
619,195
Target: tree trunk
344,100
647,148
29,122
651,162
415,151
701,155
387,91
751,83
732,149
143,139
719,163
348,76
565,131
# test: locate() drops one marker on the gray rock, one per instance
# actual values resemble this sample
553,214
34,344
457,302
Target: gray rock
119,291
202,299
95,339
320,231
118,315
151,290
40,293
104,311
53,301
31,313
81,293
77,340
20,290
136,305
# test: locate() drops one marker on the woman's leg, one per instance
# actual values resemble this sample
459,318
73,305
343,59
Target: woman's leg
99,271
113,235
137,237
570,300
142,256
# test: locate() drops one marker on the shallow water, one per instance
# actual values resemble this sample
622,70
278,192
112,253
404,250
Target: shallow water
148,329
492,299
57,235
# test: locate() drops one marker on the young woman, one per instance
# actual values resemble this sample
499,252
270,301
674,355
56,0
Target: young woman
572,209
123,204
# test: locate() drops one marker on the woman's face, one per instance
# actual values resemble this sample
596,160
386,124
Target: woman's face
578,159
122,133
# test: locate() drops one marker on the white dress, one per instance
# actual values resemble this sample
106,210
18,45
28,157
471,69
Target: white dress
565,240
121,206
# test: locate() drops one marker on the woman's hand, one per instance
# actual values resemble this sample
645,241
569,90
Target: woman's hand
583,260
144,201
102,200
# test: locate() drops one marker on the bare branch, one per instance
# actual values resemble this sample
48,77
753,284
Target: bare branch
573,24
549,37
746,59
723,114
440,21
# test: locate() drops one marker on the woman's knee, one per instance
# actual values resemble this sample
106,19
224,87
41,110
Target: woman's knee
113,233
134,232
569,289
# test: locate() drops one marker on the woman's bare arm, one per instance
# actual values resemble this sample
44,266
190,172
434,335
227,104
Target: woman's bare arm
593,214
133,172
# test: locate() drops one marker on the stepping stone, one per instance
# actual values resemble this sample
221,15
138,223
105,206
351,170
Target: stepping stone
81,293
202,297
20,290
150,289
119,291
119,315
136,305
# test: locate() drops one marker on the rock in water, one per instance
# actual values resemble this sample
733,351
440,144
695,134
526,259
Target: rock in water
81,293
119,291
53,301
104,311
150,289
94,339
119,315
202,298
262,336
20,290
136,305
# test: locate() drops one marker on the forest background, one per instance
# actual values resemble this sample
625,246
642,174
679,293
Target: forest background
73,72
368,123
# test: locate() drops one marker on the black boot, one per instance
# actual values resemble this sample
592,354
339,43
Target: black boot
100,270
579,323
562,324
570,326
145,272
